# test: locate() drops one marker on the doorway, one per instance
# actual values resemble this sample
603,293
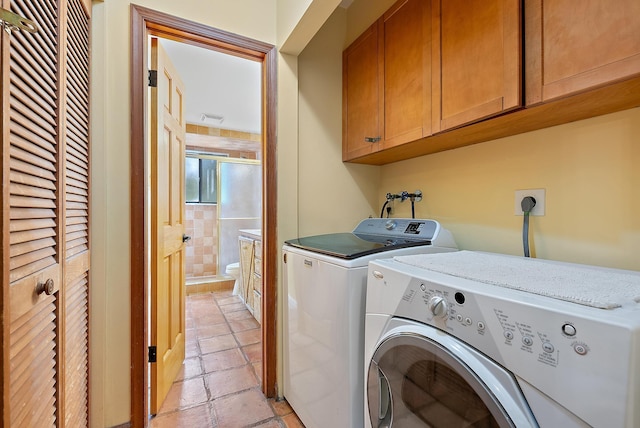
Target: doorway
146,22
222,111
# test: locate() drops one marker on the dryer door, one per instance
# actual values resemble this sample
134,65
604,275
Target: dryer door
418,381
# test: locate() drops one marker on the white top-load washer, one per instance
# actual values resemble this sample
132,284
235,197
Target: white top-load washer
324,288
478,339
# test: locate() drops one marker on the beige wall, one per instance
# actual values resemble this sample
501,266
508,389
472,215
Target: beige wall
361,14
288,14
110,285
299,21
588,168
333,196
287,204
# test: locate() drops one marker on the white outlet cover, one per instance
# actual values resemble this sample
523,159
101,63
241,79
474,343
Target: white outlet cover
537,194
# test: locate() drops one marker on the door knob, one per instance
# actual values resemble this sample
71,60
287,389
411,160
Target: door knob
186,238
45,287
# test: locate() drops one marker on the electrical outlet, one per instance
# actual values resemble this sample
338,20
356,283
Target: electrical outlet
537,194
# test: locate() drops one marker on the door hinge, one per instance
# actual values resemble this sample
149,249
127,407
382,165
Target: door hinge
153,78
152,354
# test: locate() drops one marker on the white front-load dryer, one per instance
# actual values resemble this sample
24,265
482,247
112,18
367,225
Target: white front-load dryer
482,340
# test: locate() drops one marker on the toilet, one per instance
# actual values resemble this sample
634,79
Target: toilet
233,269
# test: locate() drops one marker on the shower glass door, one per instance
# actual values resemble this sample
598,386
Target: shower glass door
239,205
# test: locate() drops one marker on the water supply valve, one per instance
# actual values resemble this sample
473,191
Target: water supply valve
415,196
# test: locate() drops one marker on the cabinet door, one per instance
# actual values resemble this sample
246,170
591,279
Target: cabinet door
257,270
246,271
477,60
257,306
576,45
361,95
407,72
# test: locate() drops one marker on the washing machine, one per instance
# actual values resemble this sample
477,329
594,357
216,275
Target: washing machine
324,280
471,339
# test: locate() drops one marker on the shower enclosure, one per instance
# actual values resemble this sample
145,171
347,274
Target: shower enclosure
224,195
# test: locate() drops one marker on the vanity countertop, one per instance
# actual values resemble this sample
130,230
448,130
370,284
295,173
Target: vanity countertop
251,233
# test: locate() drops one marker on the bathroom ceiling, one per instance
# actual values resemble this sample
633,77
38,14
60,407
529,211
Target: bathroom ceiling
224,87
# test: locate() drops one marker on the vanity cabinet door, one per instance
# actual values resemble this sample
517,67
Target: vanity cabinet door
246,269
257,280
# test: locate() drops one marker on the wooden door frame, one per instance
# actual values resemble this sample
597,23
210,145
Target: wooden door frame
146,22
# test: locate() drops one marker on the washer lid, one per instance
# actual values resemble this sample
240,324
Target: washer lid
350,246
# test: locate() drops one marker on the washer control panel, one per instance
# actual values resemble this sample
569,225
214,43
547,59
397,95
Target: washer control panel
499,326
399,227
575,354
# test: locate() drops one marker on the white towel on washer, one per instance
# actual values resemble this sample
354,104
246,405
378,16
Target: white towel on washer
587,285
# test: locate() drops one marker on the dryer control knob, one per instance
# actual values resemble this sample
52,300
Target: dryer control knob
390,224
438,306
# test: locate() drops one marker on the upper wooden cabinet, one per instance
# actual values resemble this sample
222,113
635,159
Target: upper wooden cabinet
477,65
581,59
573,46
387,81
406,29
361,97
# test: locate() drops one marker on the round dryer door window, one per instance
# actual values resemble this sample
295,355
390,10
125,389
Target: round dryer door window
416,382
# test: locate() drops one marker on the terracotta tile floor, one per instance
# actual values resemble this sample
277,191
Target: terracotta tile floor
219,384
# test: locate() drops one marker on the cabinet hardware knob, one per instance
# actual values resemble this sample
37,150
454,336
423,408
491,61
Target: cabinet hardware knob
45,287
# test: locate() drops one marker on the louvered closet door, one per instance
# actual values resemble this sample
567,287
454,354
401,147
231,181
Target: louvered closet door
45,216
76,219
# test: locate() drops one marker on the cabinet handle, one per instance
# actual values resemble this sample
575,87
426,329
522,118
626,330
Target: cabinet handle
45,287
372,139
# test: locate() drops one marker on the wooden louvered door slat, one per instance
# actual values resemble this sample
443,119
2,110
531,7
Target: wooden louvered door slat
45,215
